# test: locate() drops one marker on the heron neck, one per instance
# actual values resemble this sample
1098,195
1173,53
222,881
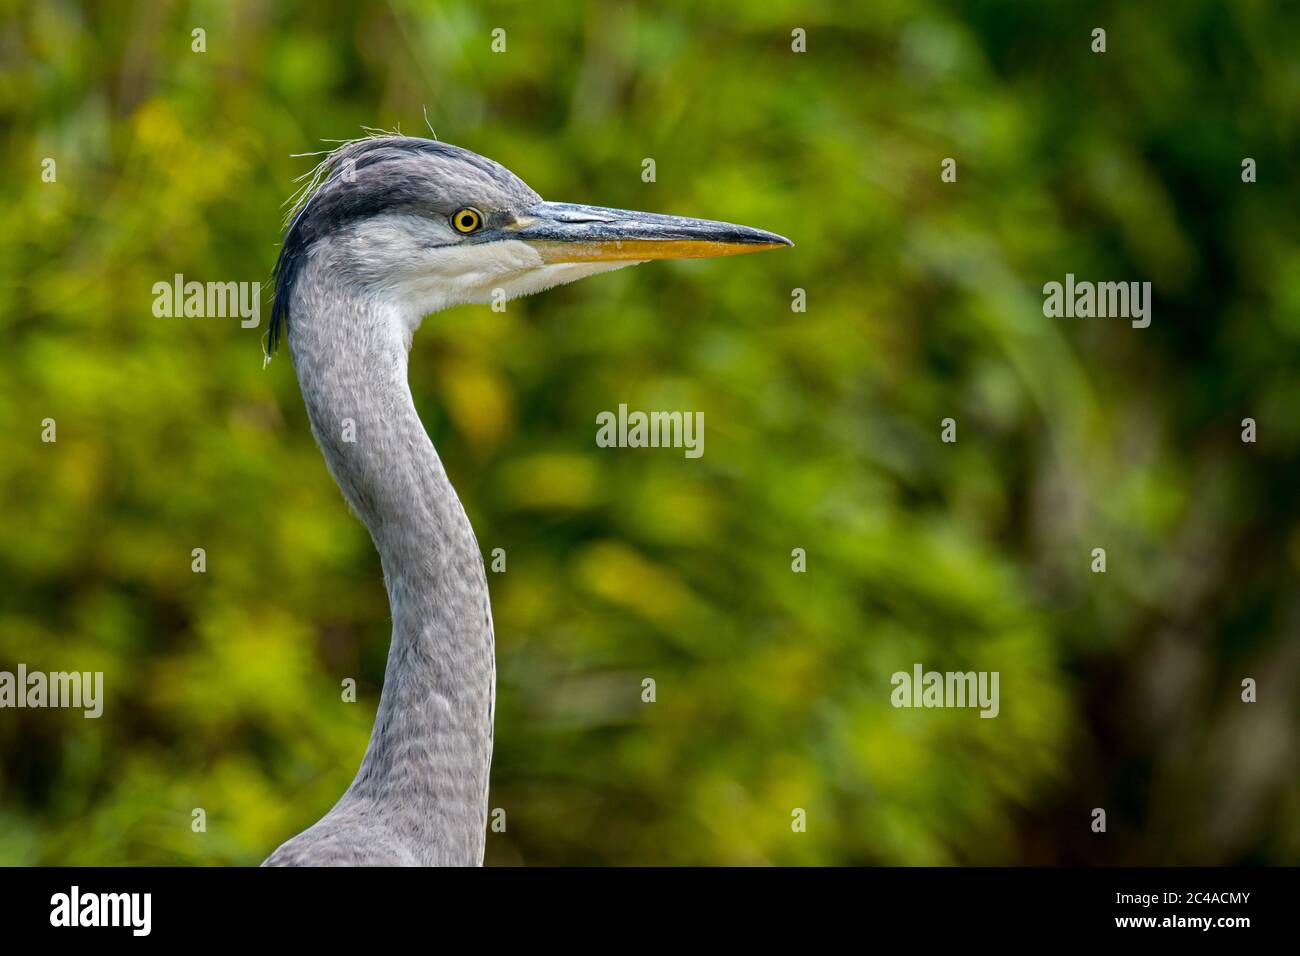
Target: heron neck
425,772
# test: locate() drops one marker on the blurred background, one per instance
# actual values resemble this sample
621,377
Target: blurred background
1119,690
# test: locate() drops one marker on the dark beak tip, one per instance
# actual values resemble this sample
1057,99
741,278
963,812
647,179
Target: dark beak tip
774,239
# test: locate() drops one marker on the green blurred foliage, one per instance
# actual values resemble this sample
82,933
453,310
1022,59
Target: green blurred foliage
1118,690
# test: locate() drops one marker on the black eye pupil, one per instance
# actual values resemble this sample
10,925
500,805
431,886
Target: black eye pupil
466,220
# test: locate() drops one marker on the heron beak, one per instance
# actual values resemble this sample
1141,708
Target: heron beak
569,232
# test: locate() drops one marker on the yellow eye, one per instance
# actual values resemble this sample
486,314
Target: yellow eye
466,220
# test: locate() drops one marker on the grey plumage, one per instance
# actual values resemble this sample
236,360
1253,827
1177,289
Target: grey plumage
371,249
385,174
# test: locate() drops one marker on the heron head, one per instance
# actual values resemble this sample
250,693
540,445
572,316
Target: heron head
426,225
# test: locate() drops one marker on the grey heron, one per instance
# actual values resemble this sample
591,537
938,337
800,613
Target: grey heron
388,230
